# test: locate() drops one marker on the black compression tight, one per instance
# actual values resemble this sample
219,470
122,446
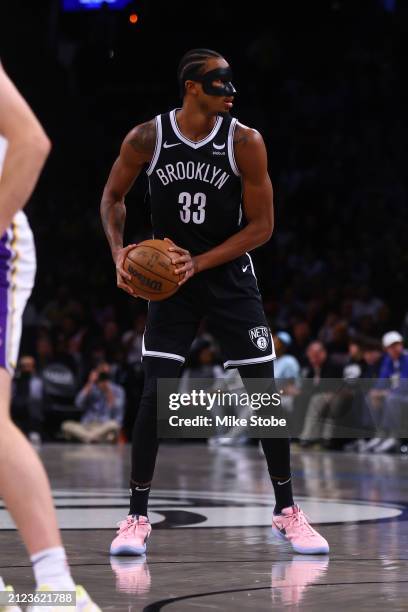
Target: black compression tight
145,442
276,450
144,437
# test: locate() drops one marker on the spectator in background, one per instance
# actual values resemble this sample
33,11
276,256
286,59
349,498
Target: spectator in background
287,369
301,337
340,415
389,398
365,369
44,349
372,355
319,391
319,365
338,345
286,366
27,395
63,355
103,404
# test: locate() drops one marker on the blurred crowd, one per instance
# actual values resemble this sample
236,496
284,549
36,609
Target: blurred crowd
330,102
80,378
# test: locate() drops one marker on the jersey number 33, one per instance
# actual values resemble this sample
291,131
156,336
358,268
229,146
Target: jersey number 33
195,213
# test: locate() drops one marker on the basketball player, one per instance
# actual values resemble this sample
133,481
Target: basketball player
201,164
23,483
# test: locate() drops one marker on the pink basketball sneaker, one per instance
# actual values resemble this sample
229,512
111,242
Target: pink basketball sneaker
131,536
293,527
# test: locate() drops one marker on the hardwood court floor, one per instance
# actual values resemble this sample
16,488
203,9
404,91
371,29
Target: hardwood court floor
211,547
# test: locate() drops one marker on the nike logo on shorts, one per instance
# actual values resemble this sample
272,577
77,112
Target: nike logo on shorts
168,146
245,268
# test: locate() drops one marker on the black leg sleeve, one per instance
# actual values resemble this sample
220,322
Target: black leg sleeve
276,450
144,437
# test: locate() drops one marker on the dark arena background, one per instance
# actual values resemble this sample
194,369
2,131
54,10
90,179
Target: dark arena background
325,84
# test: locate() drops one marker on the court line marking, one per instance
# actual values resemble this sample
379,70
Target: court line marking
241,561
158,605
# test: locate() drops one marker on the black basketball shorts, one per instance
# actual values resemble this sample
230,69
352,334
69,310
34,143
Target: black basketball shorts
229,298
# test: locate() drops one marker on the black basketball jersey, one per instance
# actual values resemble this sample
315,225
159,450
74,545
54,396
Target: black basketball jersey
195,187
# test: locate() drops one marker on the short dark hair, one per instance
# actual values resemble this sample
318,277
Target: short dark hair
193,59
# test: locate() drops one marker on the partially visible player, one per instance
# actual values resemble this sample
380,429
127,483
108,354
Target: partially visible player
24,485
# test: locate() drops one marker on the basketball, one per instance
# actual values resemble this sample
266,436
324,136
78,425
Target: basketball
152,270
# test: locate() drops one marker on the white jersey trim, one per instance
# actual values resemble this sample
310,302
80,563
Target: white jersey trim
157,147
187,141
238,362
252,269
20,277
231,155
173,356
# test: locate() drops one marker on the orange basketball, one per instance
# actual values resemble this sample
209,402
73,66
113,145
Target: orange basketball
149,264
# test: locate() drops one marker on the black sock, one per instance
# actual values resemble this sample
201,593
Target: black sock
283,494
277,454
139,498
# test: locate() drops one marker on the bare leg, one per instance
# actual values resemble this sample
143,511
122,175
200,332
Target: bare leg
23,481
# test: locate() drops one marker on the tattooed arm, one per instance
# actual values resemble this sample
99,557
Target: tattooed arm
137,150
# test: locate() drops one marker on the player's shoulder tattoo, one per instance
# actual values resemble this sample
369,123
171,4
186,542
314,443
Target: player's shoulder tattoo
244,134
143,137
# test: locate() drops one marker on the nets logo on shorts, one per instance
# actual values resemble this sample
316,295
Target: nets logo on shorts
260,337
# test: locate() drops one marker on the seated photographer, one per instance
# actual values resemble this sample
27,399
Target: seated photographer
103,404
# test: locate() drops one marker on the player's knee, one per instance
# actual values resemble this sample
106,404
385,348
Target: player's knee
154,369
161,367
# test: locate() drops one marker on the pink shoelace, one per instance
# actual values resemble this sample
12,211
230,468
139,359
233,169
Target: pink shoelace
299,519
131,523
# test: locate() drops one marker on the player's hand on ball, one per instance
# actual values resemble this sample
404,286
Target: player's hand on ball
183,261
122,277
